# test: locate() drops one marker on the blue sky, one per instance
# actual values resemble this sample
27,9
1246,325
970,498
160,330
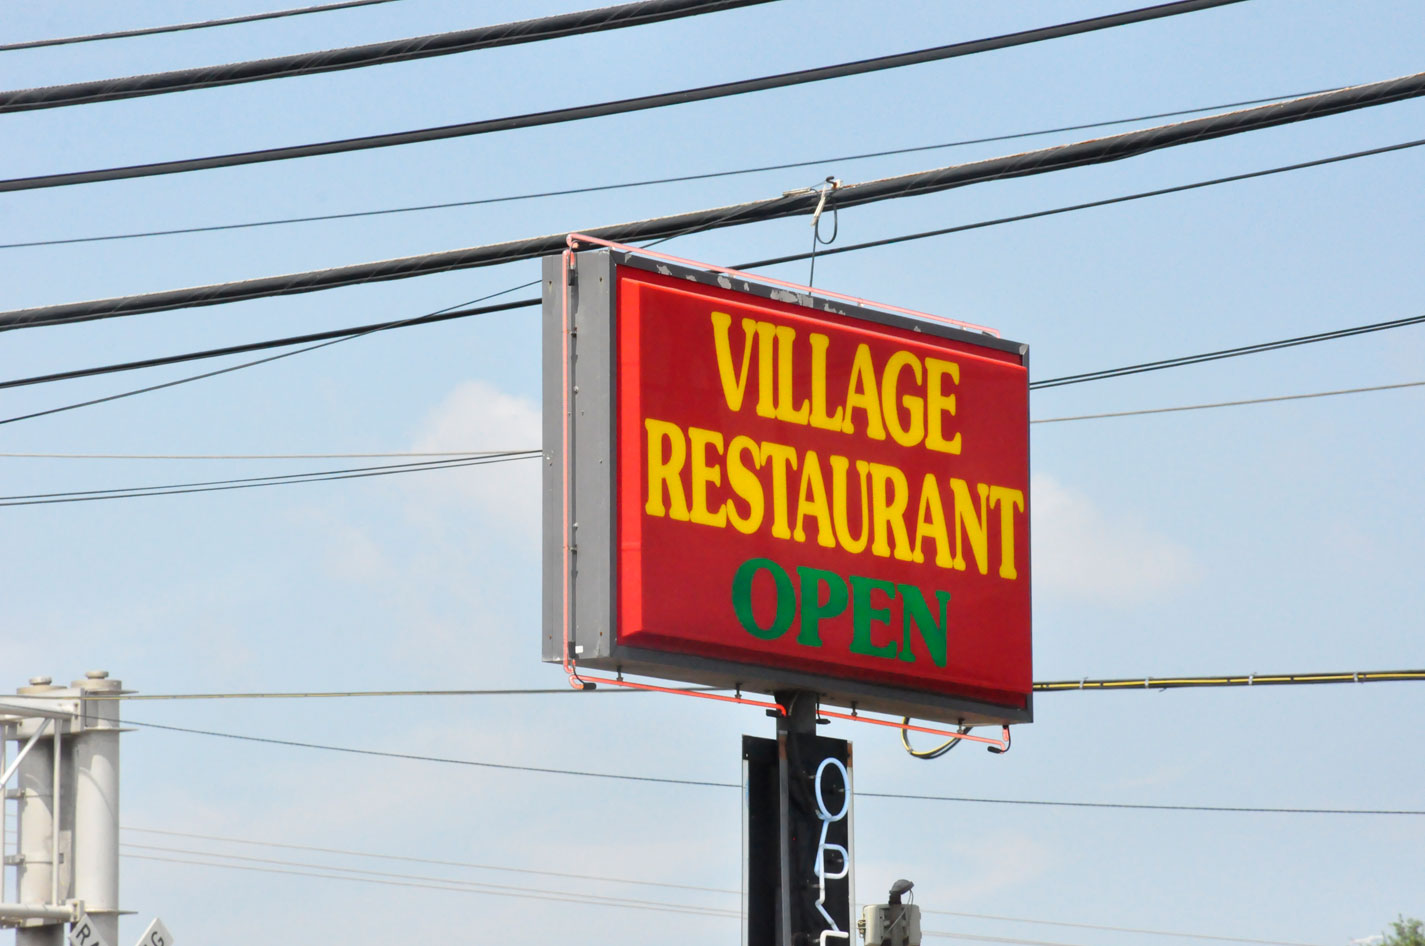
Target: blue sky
1272,538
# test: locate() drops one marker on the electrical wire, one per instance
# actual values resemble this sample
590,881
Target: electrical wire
1245,401
330,340
371,54
1052,382
597,188
446,760
475,886
1130,683
1061,157
652,883
1112,929
452,886
243,456
179,27
1182,360
352,694
939,750
1086,205
1240,680
354,331
602,878
621,776
213,486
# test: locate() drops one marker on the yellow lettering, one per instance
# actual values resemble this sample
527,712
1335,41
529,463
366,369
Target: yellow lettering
745,484
861,392
811,499
890,382
819,417
666,474
734,386
838,493
786,336
704,476
888,511
1008,501
766,335
936,401
968,526
779,455
930,524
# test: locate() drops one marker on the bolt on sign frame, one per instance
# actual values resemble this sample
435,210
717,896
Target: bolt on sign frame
761,487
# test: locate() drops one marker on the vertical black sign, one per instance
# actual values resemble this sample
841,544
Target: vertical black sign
797,840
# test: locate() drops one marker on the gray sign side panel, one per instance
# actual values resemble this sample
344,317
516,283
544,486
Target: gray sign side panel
593,523
1028,534
553,460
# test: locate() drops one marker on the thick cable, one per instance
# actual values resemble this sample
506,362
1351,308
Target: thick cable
597,188
370,54
180,27
328,341
1241,403
1079,154
1087,205
614,107
341,333
1051,382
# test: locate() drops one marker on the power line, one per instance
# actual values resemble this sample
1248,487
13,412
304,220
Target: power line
178,27
1078,154
1110,929
1240,680
447,312
604,878
244,456
1182,360
615,107
446,760
1052,382
1130,683
475,886
213,486
649,182
1253,400
370,54
652,883
619,776
354,331
453,886
354,694
1086,205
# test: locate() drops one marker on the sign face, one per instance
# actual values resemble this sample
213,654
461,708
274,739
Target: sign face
83,933
798,493
156,935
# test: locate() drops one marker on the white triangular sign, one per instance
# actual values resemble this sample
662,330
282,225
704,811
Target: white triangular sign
83,933
156,935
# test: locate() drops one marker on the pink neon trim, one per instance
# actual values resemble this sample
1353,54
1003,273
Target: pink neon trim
857,300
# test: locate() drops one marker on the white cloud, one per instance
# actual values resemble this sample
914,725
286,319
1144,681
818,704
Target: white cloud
477,416
1084,552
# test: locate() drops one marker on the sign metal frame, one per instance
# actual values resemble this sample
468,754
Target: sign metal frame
585,560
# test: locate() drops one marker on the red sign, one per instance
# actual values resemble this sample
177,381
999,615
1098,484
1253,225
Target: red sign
820,492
